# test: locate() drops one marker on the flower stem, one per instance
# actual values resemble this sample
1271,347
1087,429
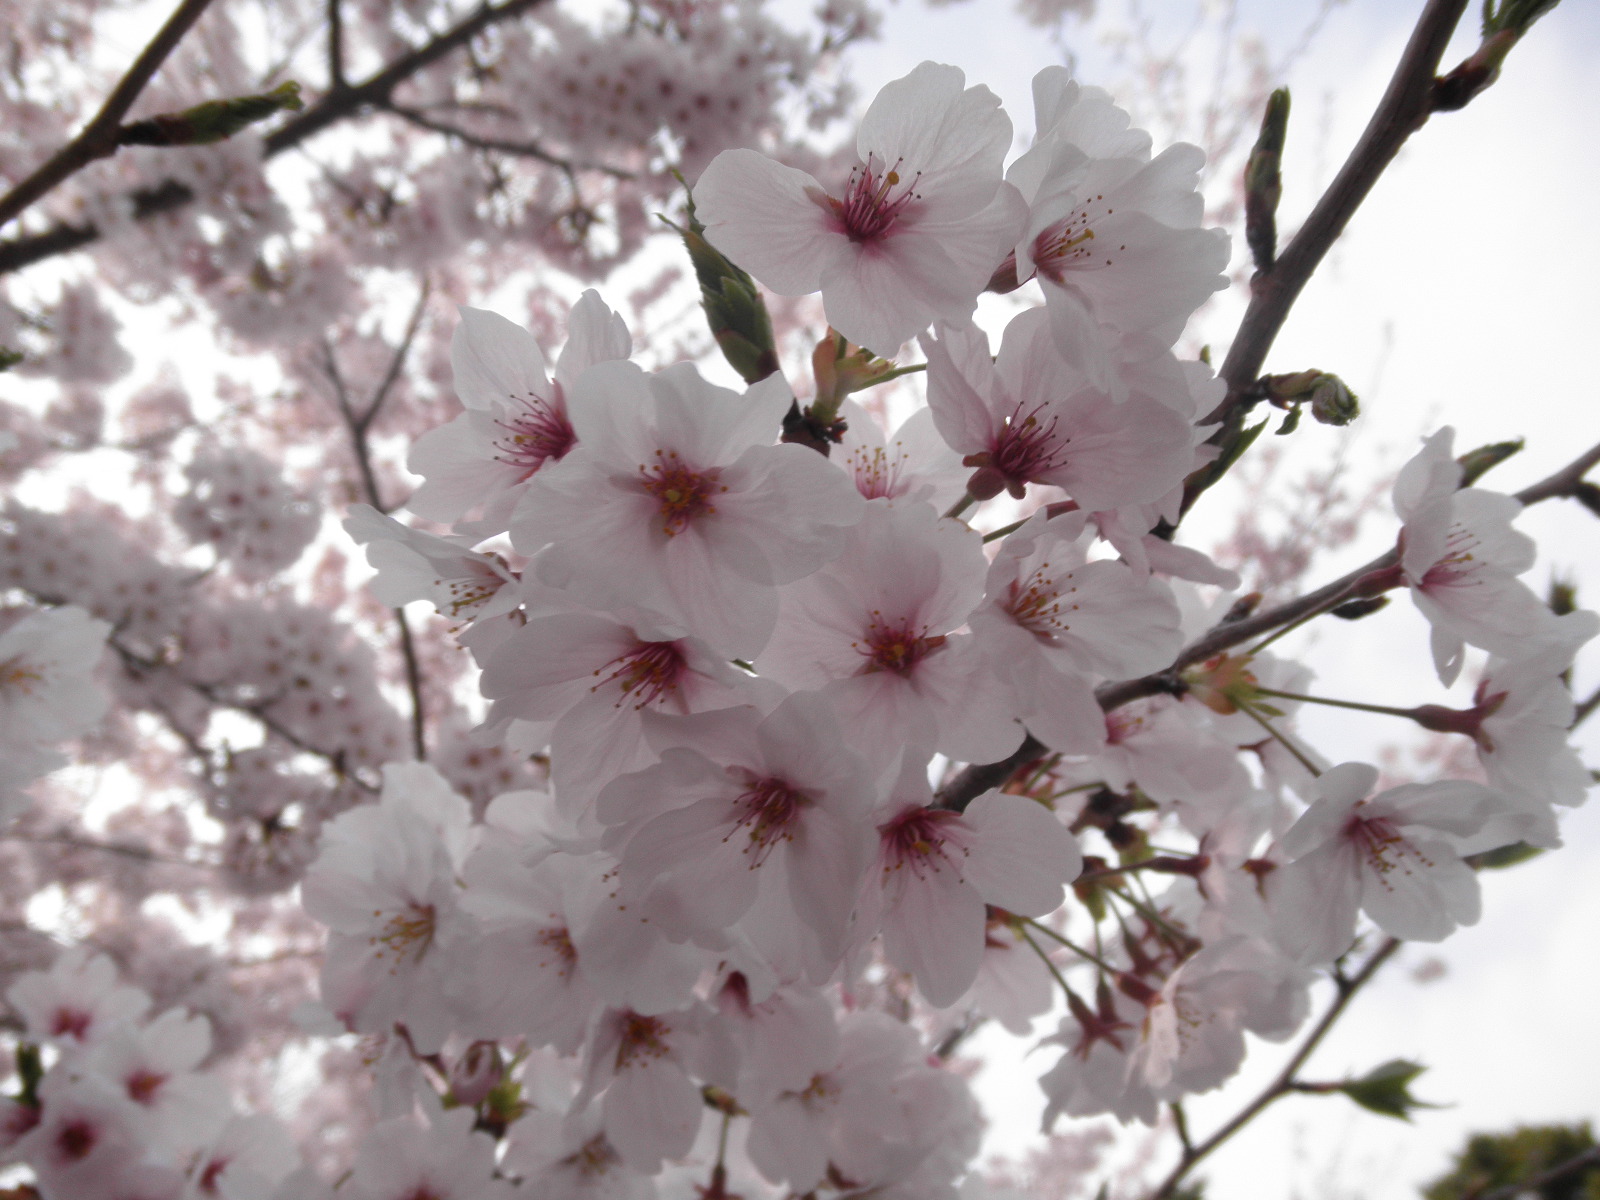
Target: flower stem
1045,958
1076,949
961,506
1357,705
1299,754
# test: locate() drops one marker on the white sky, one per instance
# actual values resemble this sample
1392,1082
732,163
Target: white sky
1475,261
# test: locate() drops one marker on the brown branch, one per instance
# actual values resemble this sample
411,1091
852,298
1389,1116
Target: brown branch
358,425
336,79
520,149
98,139
335,106
1565,482
1403,109
1283,1085
972,781
1585,710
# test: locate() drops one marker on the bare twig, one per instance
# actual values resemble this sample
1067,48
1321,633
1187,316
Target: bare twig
974,780
338,104
358,425
520,149
1584,710
98,138
336,79
1283,1084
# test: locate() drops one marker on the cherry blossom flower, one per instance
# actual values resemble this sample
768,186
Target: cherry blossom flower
1030,417
1460,558
677,502
1052,624
587,680
1390,855
651,1109
875,631
462,584
516,419
1112,236
402,1159
921,224
385,884
77,1001
938,869
914,464
47,690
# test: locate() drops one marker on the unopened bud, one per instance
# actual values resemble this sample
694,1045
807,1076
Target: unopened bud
1263,181
1475,463
213,121
1386,1090
476,1074
733,306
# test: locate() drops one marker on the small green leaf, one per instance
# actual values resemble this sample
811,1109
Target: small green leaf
1386,1089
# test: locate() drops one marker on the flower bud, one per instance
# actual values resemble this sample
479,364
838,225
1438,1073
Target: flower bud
476,1073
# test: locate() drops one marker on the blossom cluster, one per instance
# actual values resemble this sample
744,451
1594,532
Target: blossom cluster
748,663
114,1102
47,694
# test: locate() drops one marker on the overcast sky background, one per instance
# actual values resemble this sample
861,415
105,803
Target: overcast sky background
1463,293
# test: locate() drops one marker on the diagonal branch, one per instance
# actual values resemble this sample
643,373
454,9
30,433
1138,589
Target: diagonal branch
520,149
972,781
1283,1085
98,138
339,103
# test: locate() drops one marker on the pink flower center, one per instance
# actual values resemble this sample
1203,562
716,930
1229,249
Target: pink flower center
407,933
536,432
877,476
1035,604
1069,244
76,1139
1379,841
895,648
683,493
644,674
143,1086
558,941
770,810
594,1159
642,1037
1025,449
70,1022
874,200
916,839
1459,564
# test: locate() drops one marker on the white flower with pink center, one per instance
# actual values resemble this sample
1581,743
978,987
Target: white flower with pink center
402,1159
912,235
1460,558
589,679
678,502
1054,623
1112,236
873,631
741,802
913,464
464,585
1392,856
939,868
651,1109
1029,416
385,883
516,420
77,1002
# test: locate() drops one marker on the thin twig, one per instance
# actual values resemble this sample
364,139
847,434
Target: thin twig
971,782
1281,1086
336,79
519,149
358,425
98,139
1404,107
332,108
1583,711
